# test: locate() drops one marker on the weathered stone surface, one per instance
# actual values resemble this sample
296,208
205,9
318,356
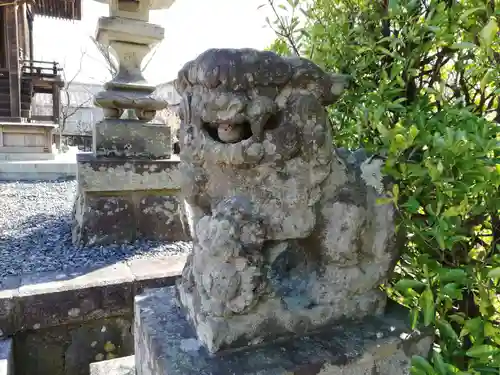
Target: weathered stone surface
165,343
287,232
70,349
108,174
6,357
132,139
131,38
129,96
155,272
120,217
160,218
120,200
119,366
50,300
9,308
43,300
107,219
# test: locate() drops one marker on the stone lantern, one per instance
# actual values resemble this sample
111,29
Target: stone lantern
127,186
131,37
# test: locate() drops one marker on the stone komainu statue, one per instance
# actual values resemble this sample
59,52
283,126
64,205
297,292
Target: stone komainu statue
287,232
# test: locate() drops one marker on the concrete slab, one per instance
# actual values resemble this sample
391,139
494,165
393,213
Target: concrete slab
118,366
6,357
37,170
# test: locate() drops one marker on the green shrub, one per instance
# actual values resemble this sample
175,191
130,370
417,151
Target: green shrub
424,94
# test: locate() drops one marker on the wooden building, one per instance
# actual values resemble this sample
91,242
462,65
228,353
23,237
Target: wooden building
23,135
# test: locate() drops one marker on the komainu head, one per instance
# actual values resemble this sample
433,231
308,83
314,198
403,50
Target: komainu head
250,98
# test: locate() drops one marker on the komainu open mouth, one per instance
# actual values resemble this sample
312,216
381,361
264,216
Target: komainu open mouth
228,132
241,129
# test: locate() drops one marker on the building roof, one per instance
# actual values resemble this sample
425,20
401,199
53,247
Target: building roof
62,9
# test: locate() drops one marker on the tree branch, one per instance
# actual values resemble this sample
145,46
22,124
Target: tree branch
106,54
284,32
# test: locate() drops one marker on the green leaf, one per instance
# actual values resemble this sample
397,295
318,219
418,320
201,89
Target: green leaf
383,201
452,211
494,273
393,4
427,304
452,275
438,362
486,79
395,106
405,284
395,192
412,205
452,290
489,31
416,170
472,327
440,239
478,351
422,364
465,15
413,131
414,315
463,45
492,332
446,330
457,318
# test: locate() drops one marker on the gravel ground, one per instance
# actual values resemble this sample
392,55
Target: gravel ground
35,232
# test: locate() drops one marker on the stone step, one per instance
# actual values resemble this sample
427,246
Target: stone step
34,167
51,299
6,357
118,366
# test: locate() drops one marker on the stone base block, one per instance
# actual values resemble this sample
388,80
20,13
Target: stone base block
165,343
124,216
119,366
119,174
119,201
132,138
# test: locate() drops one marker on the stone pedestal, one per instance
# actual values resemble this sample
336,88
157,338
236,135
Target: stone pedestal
121,200
128,186
165,343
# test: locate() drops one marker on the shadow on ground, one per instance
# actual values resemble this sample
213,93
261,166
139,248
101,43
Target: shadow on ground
45,245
